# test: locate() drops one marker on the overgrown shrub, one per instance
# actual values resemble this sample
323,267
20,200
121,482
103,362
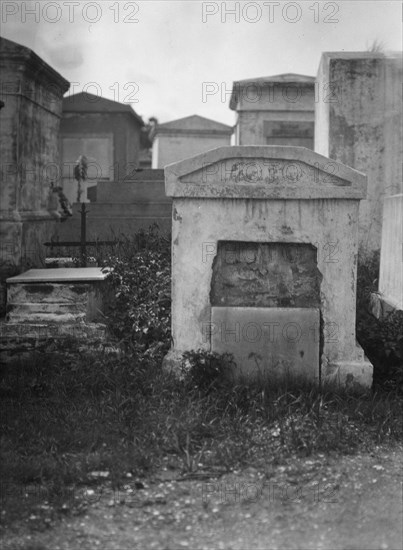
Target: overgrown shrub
381,339
139,306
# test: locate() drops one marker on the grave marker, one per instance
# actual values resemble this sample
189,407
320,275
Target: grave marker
291,217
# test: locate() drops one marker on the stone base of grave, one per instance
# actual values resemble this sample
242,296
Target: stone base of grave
19,340
356,374
49,331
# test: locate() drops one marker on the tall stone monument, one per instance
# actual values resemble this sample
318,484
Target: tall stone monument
359,123
32,94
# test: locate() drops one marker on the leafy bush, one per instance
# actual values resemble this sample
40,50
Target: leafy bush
139,305
381,339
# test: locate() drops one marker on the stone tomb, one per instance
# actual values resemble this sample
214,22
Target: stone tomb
62,295
264,250
48,305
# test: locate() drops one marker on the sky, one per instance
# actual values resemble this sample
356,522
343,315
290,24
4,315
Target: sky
170,59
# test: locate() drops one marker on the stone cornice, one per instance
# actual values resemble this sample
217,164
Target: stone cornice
263,172
240,85
27,62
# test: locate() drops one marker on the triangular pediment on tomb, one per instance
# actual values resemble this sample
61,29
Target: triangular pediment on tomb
262,172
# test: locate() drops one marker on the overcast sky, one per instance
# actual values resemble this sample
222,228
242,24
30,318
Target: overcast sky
156,55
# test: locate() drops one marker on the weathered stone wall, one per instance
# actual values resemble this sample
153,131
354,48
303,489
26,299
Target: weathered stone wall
253,128
122,207
168,148
391,269
196,224
32,94
261,106
54,302
124,132
360,124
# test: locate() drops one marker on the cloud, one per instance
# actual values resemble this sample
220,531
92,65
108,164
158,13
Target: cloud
66,56
170,51
141,78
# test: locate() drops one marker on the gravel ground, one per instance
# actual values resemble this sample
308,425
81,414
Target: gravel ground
326,503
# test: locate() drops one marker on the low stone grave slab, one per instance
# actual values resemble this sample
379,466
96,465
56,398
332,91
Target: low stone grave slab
268,343
69,274
56,295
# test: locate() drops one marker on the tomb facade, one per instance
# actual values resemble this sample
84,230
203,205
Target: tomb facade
274,110
264,251
185,137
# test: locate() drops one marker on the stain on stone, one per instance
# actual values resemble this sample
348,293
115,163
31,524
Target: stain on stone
286,230
350,382
38,289
176,216
79,289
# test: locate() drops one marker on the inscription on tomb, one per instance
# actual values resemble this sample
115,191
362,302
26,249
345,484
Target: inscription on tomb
268,172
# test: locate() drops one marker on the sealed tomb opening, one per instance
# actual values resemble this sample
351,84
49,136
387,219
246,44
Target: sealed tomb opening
265,275
265,300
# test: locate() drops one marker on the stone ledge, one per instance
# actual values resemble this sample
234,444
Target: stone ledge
59,275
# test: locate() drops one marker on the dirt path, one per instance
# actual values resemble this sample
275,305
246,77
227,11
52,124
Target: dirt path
352,502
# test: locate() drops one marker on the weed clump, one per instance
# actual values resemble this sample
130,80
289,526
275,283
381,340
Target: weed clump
381,339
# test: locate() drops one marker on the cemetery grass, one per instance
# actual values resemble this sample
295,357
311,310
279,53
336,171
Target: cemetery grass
74,419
